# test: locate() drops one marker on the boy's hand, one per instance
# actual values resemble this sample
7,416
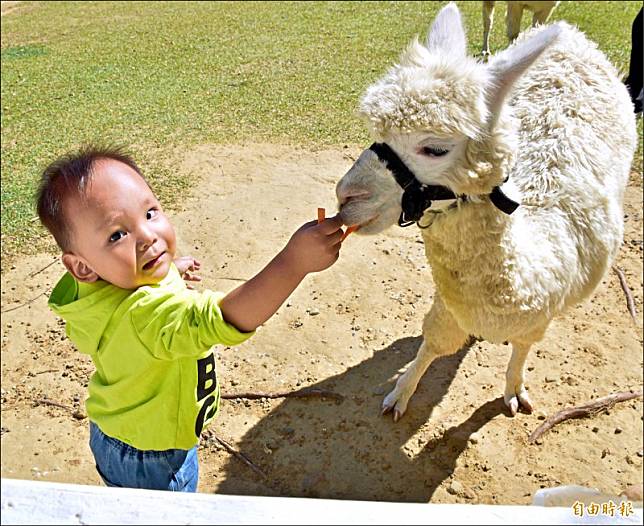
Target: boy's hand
314,246
186,265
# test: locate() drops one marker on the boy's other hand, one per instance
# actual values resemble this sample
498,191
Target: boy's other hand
314,246
186,265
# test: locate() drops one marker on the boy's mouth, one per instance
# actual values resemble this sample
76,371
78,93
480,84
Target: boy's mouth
152,263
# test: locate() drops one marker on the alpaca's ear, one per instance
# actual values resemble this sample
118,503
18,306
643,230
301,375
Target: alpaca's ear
446,35
506,67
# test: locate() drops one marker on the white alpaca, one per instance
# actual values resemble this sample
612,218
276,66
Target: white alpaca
548,114
541,11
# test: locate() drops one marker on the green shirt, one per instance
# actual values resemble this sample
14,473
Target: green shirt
155,385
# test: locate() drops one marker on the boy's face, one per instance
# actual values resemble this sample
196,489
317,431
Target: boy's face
119,231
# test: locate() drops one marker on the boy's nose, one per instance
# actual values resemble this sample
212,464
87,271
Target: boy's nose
147,238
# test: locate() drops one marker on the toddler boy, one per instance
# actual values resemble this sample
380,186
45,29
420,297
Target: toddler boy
126,305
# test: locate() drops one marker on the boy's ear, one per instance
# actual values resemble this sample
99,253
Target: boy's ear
78,268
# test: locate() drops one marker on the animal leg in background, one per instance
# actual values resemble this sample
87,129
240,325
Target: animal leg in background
541,16
441,336
515,13
488,16
513,20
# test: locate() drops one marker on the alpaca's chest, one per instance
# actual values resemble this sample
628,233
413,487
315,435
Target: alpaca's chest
477,270
465,243
467,271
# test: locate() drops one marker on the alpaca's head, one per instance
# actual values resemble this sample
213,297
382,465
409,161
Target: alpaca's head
438,110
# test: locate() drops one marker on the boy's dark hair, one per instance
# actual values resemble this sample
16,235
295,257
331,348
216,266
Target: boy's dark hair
69,175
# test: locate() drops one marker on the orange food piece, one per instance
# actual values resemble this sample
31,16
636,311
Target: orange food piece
350,229
321,215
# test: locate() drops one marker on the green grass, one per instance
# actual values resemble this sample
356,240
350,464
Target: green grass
161,77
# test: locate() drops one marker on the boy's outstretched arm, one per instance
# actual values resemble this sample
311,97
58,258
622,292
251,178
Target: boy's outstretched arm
312,248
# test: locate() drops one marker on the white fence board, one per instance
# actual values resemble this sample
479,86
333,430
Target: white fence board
36,502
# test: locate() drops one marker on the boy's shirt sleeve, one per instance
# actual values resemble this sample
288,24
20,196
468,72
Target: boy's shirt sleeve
173,326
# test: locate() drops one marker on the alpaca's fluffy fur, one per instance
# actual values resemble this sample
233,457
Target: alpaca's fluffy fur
549,113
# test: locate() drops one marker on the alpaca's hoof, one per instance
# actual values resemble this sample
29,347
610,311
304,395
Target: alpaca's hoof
513,405
516,400
397,414
395,402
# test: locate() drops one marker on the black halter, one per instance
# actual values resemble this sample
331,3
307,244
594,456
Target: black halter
418,197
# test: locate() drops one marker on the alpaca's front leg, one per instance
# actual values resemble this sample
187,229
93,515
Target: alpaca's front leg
515,391
407,383
441,335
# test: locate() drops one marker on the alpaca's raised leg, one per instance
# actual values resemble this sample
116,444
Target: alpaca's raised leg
515,391
488,15
513,20
441,335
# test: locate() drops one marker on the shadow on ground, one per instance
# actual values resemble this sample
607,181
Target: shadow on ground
313,447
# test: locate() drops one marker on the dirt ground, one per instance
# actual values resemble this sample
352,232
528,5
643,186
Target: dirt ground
350,330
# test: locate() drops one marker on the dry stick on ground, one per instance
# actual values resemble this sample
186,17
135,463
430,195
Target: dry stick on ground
589,409
44,401
303,393
75,413
24,304
44,268
629,298
240,456
48,371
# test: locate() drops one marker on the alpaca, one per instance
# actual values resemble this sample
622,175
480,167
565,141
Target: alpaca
541,11
534,148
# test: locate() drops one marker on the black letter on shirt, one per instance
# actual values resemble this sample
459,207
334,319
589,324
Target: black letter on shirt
201,418
204,374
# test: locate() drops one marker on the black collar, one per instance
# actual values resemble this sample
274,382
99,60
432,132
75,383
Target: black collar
418,197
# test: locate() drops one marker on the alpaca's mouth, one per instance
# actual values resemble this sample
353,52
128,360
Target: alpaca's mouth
363,225
352,215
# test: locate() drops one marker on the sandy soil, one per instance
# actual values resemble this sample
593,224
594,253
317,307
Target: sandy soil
350,329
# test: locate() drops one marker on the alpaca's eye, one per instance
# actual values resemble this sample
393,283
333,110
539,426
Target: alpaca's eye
434,152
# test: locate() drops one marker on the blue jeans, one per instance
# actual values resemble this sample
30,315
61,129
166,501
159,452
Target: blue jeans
121,465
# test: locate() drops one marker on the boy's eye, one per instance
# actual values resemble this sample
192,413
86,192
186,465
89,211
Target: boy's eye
151,213
116,236
431,151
